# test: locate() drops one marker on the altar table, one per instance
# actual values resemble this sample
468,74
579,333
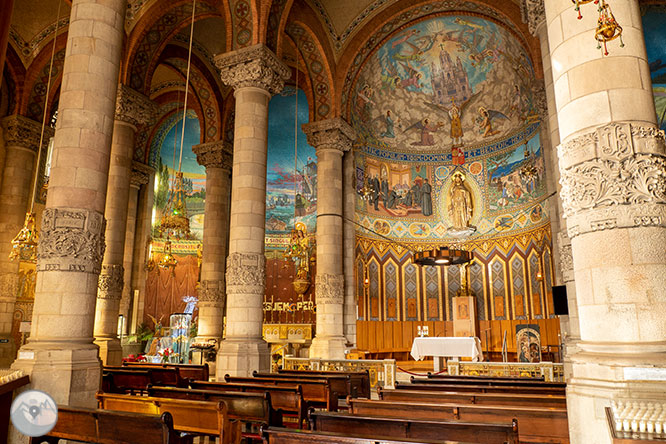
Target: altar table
452,347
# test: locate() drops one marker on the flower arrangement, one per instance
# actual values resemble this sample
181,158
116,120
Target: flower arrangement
166,354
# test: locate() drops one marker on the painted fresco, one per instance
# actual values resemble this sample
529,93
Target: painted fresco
291,185
654,17
194,175
442,84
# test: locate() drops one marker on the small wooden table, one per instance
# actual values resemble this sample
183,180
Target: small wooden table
446,347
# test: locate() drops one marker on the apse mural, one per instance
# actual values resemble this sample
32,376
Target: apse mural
443,83
291,182
654,17
166,165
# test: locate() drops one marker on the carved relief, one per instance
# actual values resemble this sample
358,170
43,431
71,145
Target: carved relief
214,155
533,13
72,239
110,282
617,216
9,286
24,132
254,66
140,174
211,291
566,257
133,107
329,289
245,272
330,134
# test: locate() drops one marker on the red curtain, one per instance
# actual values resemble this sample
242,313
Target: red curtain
165,290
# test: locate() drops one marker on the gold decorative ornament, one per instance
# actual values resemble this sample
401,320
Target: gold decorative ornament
607,27
168,261
24,245
582,2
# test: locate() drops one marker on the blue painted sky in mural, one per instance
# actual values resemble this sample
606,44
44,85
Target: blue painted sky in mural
655,43
191,169
280,187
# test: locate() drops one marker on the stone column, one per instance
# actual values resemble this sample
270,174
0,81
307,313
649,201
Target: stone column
132,109
22,142
60,356
349,239
217,158
255,73
136,180
613,174
330,138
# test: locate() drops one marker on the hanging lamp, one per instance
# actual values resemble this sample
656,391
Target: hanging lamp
24,244
578,3
607,27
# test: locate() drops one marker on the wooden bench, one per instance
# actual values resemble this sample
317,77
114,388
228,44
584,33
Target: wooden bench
341,385
371,426
126,381
440,397
277,435
360,381
158,375
316,392
187,371
484,377
252,409
107,427
482,388
542,425
488,381
287,399
205,418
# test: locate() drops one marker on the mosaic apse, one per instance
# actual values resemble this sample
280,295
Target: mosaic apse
654,17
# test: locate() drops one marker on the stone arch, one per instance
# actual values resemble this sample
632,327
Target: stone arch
13,80
275,23
172,114
296,63
244,23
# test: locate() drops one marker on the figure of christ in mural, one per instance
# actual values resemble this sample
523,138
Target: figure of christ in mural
460,205
299,251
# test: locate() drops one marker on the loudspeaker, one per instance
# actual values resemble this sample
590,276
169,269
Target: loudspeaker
560,300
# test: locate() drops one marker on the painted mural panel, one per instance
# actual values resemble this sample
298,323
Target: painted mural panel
165,158
654,17
444,82
291,182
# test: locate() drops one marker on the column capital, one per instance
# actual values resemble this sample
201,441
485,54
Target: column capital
246,273
614,177
24,132
254,66
333,134
133,107
330,288
72,239
214,154
110,284
140,174
534,14
212,291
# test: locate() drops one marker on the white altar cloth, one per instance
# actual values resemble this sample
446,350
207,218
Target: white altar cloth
452,347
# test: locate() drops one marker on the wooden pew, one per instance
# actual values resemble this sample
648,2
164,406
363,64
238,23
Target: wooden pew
481,388
106,427
252,409
360,381
316,392
126,381
371,426
341,385
287,399
158,375
441,397
484,377
488,381
542,425
187,371
277,435
205,418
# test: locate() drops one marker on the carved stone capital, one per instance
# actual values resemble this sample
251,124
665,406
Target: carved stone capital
566,257
254,66
617,216
214,155
246,273
72,239
330,134
24,132
330,289
534,14
110,284
133,107
140,174
212,291
616,165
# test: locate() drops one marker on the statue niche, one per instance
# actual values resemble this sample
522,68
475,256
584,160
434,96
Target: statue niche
460,207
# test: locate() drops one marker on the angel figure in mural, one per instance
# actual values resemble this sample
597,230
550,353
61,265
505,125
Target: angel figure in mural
404,37
454,113
485,120
299,251
413,77
426,128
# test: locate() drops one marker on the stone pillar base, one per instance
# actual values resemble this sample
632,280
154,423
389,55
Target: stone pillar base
7,351
70,373
110,351
240,357
328,347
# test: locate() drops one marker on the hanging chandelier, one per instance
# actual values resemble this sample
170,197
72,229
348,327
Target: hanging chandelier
168,261
578,3
24,244
442,256
607,27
